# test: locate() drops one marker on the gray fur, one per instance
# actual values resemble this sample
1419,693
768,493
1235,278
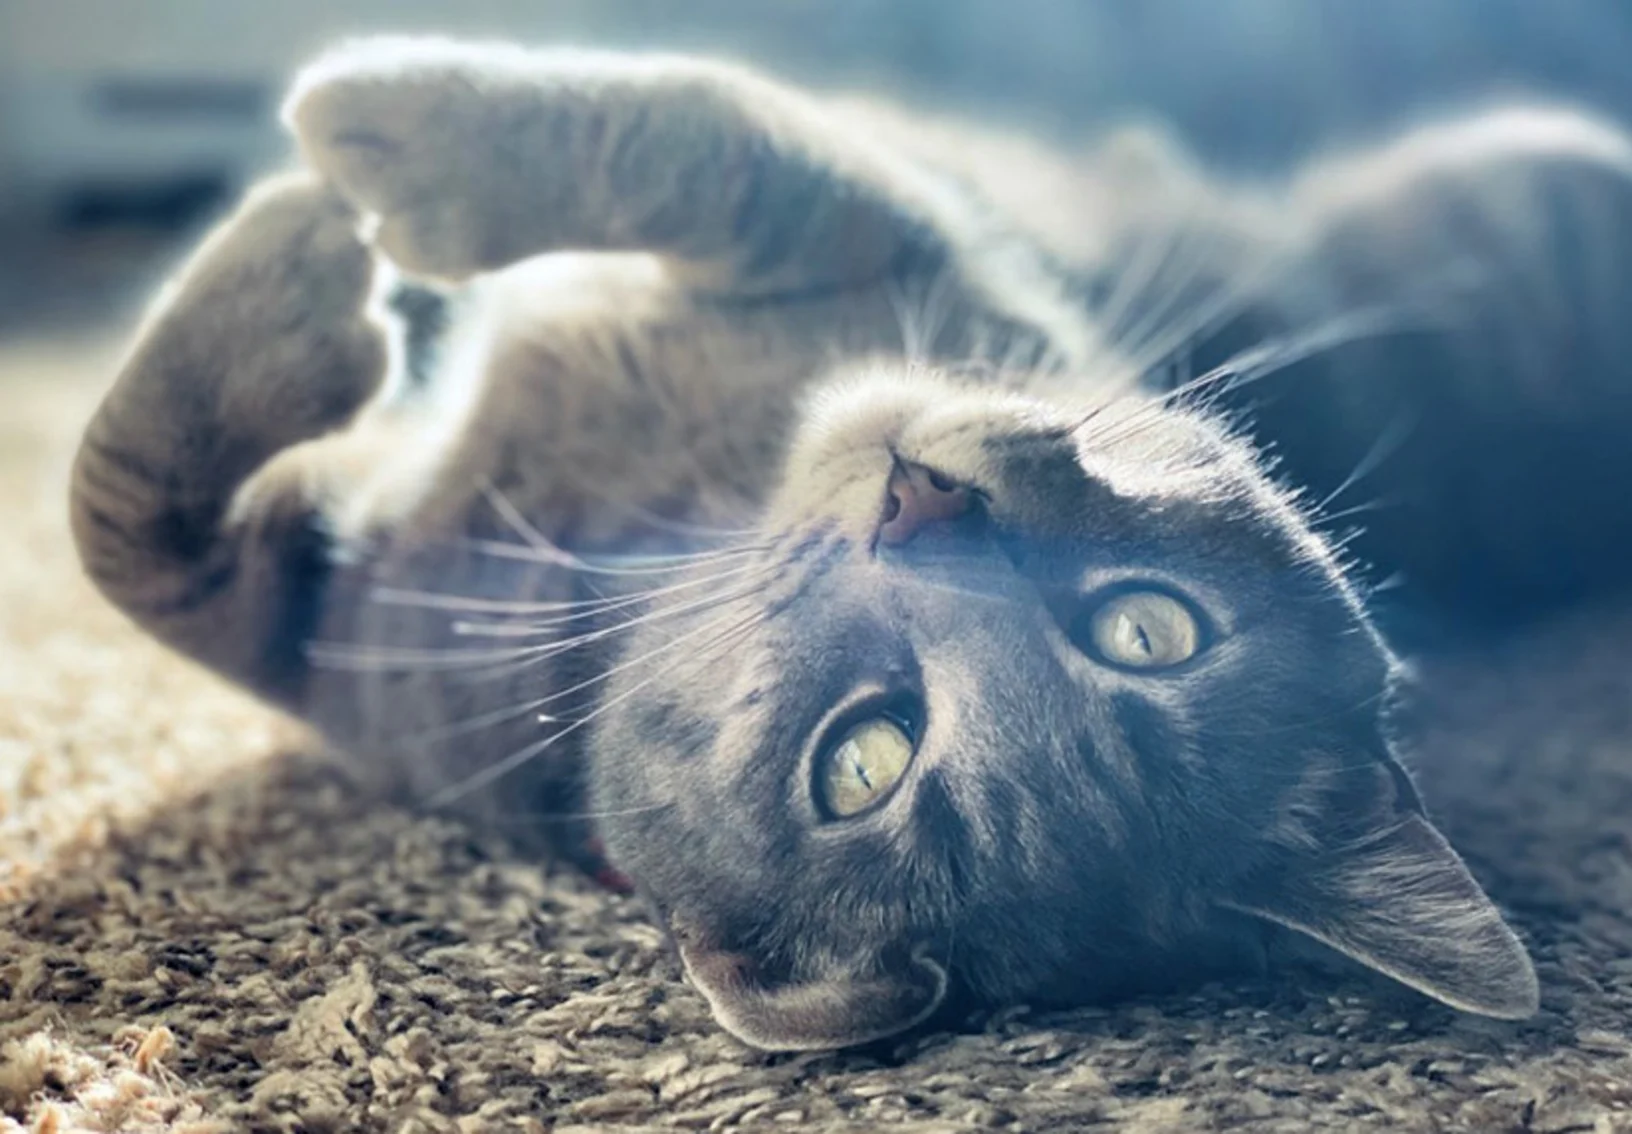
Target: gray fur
698,313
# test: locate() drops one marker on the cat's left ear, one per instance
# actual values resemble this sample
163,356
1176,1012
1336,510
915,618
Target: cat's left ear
1370,877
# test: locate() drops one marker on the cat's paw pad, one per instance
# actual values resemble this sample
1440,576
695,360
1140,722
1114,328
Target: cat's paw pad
399,126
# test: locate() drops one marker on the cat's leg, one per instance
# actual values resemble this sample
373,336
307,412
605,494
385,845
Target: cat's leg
207,488
475,156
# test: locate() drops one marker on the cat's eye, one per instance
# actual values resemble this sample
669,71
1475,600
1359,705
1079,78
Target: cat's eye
861,769
1144,630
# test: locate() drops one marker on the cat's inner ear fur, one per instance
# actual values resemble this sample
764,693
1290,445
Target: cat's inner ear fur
834,1010
1375,881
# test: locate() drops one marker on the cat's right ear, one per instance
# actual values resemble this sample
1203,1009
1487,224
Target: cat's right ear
837,1009
1370,877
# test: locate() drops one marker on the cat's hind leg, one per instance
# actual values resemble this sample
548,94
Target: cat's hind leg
206,490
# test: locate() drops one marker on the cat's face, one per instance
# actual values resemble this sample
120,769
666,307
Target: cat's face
1020,705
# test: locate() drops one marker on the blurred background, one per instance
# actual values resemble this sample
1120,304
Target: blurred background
125,124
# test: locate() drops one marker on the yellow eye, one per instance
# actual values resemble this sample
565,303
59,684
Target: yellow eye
861,768
1145,630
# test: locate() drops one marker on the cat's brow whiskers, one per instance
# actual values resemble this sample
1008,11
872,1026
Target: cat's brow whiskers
1393,583
1340,544
520,757
1249,366
1388,442
922,316
1134,279
1158,334
1354,510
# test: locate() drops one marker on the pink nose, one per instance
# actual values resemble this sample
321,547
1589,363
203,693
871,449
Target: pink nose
918,496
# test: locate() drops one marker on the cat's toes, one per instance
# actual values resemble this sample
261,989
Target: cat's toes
397,125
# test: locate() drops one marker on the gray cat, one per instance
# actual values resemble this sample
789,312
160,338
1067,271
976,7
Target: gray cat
867,525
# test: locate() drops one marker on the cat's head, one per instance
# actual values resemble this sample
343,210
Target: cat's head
1021,704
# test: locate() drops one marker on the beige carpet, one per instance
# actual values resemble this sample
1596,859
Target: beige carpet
203,929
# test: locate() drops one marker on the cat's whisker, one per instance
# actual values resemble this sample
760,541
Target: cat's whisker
371,658
361,658
472,605
548,818
1388,442
1134,279
1253,365
511,515
428,738
1345,513
538,547
522,756
524,628
921,317
688,528
536,654
662,613
1158,334
1341,544
1167,347
498,549
629,664
1392,583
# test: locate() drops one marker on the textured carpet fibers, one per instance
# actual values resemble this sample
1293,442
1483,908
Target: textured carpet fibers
204,928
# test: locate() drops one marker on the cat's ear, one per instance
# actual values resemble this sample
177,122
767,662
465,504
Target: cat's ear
835,1010
1374,880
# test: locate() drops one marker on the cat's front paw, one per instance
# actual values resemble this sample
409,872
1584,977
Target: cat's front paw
407,128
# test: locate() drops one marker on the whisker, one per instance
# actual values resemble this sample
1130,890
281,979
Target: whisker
511,515
430,737
468,604
1388,443
546,818
1345,513
520,757
663,523
599,607
1158,334
362,657
540,548
630,663
551,650
1249,366
1134,279
498,549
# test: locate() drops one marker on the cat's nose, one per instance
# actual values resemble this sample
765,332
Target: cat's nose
918,496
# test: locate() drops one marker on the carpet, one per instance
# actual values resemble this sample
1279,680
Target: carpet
204,927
